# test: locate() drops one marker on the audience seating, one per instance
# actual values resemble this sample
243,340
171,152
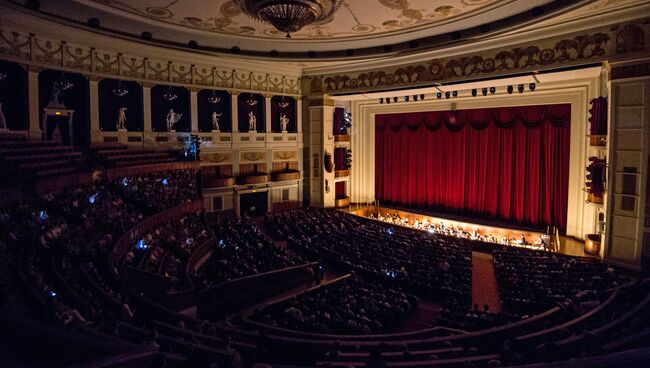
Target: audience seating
63,277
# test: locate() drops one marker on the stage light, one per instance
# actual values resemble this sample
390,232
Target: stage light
221,243
91,199
395,99
381,100
447,94
165,182
42,215
510,89
125,182
473,92
454,94
407,98
52,293
422,96
439,95
493,90
520,88
532,87
484,91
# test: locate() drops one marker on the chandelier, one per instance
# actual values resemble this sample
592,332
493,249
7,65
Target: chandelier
251,101
169,95
283,104
119,91
214,99
289,16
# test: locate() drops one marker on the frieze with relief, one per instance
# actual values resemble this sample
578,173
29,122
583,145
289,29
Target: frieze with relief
36,49
594,46
285,155
252,156
216,157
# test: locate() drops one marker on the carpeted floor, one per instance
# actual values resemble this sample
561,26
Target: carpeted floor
484,282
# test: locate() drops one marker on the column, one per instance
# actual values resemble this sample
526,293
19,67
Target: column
194,109
147,136
627,204
299,115
321,143
35,131
267,113
234,113
93,85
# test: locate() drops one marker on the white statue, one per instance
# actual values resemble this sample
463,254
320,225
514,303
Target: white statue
172,119
215,120
284,122
121,118
3,122
55,96
252,122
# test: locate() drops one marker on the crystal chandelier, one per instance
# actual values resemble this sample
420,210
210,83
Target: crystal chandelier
289,16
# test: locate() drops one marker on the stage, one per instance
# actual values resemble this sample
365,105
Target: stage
499,236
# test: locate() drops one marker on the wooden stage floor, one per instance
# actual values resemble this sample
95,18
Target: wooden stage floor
568,246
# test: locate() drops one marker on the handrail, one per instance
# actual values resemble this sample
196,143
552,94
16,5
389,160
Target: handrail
570,323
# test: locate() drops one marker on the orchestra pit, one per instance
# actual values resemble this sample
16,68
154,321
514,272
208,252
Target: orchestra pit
324,183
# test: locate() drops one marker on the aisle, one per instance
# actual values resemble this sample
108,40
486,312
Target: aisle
484,282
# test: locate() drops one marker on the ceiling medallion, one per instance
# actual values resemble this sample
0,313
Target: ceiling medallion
289,16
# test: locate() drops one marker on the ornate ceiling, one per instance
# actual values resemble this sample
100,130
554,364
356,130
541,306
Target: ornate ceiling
356,18
357,25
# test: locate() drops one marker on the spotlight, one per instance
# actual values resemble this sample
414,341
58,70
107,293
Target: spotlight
484,91
520,88
439,95
406,98
493,90
395,99
473,92
454,94
510,89
532,87
421,96
381,100
415,97
447,94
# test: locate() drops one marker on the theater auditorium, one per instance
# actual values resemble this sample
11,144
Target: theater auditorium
324,183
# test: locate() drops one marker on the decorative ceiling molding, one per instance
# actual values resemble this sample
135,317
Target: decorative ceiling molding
37,50
610,44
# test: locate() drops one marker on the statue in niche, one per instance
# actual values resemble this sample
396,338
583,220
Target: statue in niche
3,122
215,120
121,119
284,122
172,119
55,97
252,122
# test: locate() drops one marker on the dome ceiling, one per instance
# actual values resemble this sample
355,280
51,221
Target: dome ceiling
219,25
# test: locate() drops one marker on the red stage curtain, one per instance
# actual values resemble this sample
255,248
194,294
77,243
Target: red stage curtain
510,164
